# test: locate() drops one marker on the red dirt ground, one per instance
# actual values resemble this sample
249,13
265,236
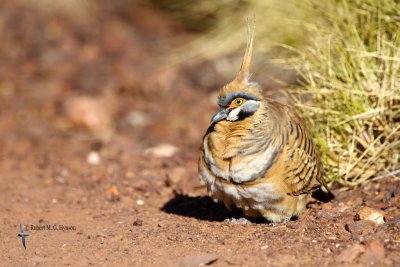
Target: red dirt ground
128,207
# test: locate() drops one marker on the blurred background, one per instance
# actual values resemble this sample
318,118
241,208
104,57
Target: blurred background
103,105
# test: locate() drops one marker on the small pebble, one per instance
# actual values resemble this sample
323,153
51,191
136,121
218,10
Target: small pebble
161,151
371,214
93,158
112,194
138,118
138,222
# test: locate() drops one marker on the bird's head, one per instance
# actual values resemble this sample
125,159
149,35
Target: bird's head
239,98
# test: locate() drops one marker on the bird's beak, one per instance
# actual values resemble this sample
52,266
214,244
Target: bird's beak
219,116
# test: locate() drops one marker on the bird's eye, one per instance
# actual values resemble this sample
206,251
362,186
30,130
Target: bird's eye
238,101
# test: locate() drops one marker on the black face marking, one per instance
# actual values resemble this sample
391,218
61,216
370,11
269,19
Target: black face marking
243,115
224,102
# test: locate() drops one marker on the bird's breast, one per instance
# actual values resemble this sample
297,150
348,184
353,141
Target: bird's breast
235,159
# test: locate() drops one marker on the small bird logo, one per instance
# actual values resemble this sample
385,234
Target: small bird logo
23,235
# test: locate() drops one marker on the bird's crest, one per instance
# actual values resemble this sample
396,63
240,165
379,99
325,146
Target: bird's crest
241,83
245,68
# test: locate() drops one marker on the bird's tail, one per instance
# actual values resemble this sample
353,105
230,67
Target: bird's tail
323,194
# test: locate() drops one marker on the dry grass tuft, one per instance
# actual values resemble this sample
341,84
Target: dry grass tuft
351,89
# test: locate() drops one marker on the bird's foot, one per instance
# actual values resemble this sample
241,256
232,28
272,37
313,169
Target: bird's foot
240,221
281,223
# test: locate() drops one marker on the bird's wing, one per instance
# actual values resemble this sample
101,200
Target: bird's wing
20,228
303,171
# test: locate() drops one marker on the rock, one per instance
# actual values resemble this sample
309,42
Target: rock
139,202
346,218
374,254
161,151
327,214
138,222
371,214
112,194
93,158
360,228
350,254
391,214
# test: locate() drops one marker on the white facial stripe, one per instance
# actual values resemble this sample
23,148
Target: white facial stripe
233,115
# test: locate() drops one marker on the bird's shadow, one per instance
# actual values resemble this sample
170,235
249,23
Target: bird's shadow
203,208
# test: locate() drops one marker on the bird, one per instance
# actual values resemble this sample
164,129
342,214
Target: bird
23,235
257,154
